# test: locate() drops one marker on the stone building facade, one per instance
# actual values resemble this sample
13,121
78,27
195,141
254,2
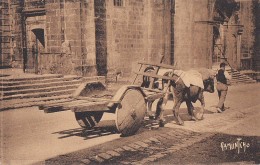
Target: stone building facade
98,37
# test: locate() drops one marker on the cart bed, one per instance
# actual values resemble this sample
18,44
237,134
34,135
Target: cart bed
77,105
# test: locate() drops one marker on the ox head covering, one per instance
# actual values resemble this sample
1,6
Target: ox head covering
206,73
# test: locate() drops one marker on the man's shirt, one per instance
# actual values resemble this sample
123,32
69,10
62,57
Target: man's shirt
223,76
227,75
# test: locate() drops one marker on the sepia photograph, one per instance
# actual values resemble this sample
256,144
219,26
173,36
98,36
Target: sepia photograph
129,82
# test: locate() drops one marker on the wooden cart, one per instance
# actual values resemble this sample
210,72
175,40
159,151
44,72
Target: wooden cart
129,105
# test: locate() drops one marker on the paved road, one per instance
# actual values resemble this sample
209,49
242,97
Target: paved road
30,136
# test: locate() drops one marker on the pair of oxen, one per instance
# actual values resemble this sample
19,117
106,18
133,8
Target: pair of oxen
185,86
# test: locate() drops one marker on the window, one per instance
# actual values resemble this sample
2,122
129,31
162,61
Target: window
118,2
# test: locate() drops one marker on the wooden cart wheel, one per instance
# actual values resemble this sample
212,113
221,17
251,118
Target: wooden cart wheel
88,119
130,113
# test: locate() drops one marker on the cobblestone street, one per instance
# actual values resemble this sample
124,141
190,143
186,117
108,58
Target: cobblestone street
212,149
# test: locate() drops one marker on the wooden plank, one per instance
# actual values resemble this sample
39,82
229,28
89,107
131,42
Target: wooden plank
154,75
79,103
140,67
166,66
153,79
94,106
43,106
91,99
55,109
96,99
63,106
147,90
154,96
65,103
151,85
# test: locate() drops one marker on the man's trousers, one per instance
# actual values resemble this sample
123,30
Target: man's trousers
222,93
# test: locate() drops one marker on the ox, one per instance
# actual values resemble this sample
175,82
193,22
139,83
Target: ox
189,93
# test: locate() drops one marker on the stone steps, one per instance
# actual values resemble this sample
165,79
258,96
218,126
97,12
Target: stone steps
19,91
241,82
239,78
32,90
61,91
36,86
22,103
22,92
40,81
30,78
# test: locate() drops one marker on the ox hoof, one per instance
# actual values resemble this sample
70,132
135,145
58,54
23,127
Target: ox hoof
193,118
202,117
199,116
161,123
219,110
180,123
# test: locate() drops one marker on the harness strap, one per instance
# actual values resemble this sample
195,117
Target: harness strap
177,79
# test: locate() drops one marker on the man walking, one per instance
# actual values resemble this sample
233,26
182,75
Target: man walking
222,87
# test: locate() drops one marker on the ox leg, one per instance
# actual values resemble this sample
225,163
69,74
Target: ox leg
161,103
159,112
191,110
202,101
178,94
176,109
149,109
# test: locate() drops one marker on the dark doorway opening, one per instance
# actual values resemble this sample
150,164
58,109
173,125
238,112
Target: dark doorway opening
217,46
39,34
35,45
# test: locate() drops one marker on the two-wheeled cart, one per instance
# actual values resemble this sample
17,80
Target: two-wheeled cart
128,105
